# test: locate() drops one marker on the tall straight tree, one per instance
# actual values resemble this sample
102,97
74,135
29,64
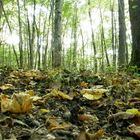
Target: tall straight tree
92,36
20,35
75,21
122,35
134,9
56,34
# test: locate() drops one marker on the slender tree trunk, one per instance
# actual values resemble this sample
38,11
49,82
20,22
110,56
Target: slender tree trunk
103,39
113,33
32,38
93,39
20,35
83,49
122,35
46,40
75,20
102,53
56,35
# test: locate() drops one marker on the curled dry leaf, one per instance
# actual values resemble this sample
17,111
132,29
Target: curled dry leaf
30,92
5,103
19,103
93,94
134,101
133,83
89,136
121,116
135,130
88,118
84,84
55,124
58,94
6,86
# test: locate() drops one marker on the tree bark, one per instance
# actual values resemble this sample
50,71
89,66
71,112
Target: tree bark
93,38
122,35
134,9
56,35
20,36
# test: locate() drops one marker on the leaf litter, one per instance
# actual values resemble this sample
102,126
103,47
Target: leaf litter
63,105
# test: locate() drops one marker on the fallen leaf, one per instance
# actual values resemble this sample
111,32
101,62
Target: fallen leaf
30,92
44,110
93,94
84,84
120,116
99,134
58,94
133,83
119,103
19,103
135,130
54,124
134,111
89,136
6,86
88,118
93,97
5,103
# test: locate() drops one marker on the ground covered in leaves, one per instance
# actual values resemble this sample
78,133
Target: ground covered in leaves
63,105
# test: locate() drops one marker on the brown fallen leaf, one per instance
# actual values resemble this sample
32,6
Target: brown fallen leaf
134,130
19,103
87,118
99,134
55,124
84,84
5,102
120,116
88,136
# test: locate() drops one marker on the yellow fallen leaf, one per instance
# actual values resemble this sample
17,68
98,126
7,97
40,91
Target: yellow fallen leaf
6,86
99,134
30,92
19,103
36,98
94,91
5,103
133,83
134,111
84,84
119,103
93,97
59,94
44,110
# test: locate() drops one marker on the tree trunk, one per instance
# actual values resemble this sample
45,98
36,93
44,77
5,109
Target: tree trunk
113,33
20,36
103,39
93,38
122,35
134,9
56,35
75,20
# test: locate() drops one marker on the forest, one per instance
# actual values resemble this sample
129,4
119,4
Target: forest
69,70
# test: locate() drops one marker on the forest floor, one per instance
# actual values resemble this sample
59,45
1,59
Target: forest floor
61,105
